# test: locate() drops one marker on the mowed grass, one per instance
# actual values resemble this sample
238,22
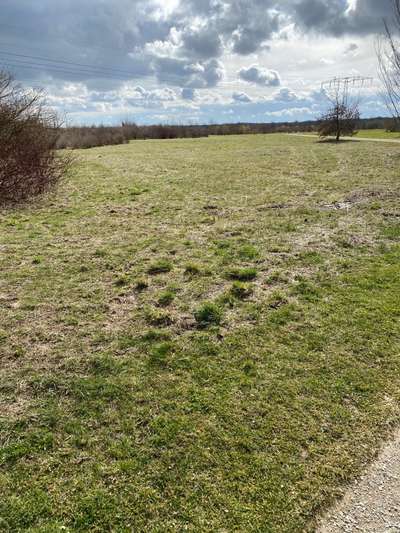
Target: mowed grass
199,335
378,134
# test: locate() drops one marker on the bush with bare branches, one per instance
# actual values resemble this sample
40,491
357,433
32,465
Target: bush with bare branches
29,164
389,62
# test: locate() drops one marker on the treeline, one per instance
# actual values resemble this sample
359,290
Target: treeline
91,136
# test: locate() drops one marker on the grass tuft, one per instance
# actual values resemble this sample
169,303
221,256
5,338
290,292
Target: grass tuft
191,269
208,314
166,298
241,290
242,274
160,267
159,353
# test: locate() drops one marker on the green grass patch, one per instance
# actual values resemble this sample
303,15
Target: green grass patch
208,314
160,267
242,274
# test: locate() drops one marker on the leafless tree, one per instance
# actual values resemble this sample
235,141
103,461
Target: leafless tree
388,49
342,116
29,164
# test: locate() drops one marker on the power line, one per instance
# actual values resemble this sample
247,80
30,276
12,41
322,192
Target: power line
59,61
56,68
44,68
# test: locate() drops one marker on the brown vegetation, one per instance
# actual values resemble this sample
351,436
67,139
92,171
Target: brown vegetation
389,63
28,133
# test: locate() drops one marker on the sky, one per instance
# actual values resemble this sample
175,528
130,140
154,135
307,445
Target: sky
192,61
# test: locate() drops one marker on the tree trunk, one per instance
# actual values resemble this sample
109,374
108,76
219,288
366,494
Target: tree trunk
337,128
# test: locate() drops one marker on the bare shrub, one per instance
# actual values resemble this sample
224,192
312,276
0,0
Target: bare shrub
29,164
389,63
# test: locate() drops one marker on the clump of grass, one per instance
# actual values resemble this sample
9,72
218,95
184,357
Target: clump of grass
191,269
157,317
126,341
208,314
275,278
160,266
103,365
136,192
159,353
311,258
155,335
306,290
141,285
122,281
249,368
222,245
166,298
100,253
241,290
276,300
3,336
248,251
242,274
392,231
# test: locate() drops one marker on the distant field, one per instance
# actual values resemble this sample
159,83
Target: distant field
367,134
199,335
378,134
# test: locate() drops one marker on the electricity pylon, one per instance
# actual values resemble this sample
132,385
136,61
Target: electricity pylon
340,88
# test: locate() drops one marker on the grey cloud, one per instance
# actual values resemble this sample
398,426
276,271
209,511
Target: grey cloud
189,93
245,25
285,95
335,18
185,74
260,76
202,43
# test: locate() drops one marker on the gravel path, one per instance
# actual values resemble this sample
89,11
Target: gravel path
372,504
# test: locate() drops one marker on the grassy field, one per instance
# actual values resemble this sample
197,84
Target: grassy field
378,134
199,335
